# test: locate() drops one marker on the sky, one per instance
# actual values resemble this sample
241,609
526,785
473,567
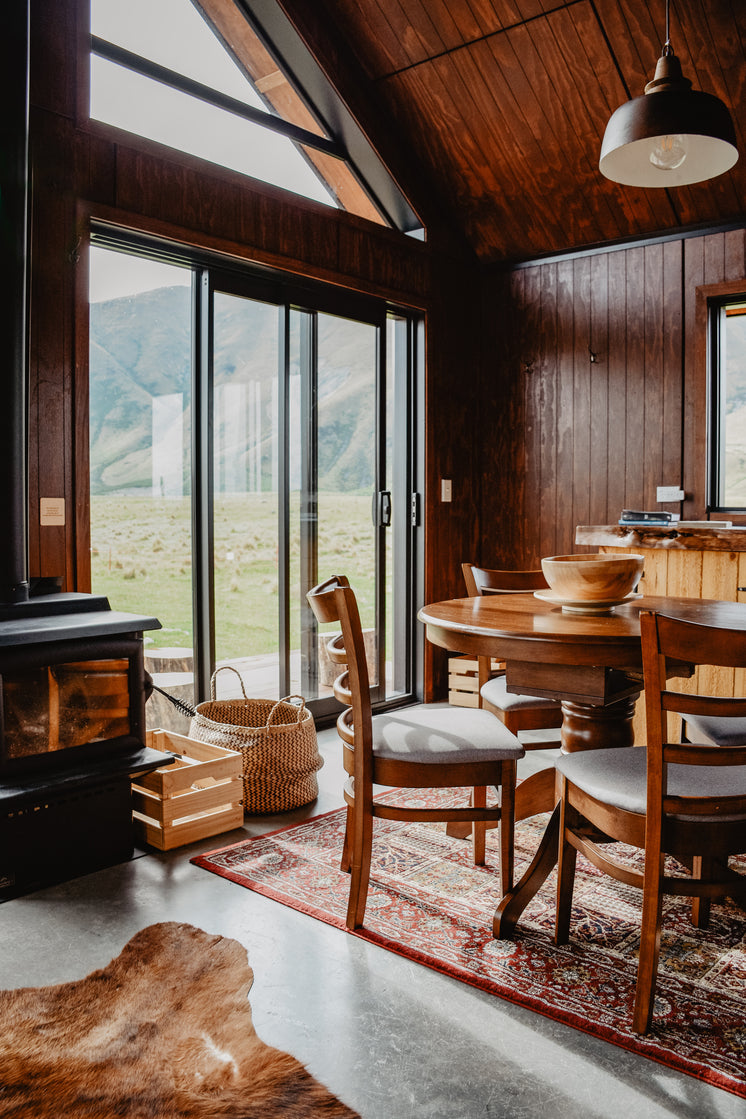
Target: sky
114,274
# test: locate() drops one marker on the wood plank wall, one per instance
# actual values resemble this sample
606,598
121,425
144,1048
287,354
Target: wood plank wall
596,375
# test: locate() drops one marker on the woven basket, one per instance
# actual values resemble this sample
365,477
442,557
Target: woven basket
277,741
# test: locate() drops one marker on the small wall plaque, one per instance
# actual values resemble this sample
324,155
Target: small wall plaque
52,511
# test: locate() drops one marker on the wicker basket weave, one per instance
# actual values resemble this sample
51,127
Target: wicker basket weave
277,740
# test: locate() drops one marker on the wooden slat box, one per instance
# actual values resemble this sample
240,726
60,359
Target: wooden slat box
197,796
463,680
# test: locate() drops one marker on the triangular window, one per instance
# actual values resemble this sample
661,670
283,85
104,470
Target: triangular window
196,75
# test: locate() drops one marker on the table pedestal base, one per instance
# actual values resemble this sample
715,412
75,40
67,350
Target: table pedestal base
588,727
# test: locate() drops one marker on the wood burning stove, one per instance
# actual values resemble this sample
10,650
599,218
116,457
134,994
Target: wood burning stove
72,736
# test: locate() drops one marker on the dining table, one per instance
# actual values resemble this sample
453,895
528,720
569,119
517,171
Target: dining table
590,661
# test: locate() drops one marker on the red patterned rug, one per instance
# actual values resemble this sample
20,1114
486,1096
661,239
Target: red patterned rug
428,902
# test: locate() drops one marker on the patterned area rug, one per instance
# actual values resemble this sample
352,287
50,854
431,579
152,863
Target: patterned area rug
428,902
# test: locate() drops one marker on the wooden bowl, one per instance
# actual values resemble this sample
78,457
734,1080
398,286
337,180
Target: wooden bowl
592,577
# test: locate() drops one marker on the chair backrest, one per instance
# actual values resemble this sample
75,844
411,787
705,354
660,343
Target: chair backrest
334,601
666,640
485,580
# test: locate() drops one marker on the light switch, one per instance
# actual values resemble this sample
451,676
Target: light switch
52,511
445,489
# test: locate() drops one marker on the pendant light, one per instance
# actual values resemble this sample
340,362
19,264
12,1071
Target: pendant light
672,135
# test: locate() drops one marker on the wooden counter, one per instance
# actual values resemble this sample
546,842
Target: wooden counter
692,563
670,538
682,563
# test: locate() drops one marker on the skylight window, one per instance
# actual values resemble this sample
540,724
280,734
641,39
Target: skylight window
131,91
196,75
173,34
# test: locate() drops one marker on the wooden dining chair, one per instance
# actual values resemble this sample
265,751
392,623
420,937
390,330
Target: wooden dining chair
421,747
685,800
517,712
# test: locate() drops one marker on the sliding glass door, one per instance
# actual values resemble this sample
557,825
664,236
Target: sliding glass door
276,445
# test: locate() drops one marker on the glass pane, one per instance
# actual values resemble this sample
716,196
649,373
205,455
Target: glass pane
245,489
397,475
53,707
332,485
733,406
147,29
122,98
140,459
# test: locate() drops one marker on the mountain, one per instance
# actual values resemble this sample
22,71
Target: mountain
140,396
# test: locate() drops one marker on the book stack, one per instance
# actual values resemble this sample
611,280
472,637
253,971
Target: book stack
637,518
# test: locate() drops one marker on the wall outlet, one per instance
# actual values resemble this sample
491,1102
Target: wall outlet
446,489
670,493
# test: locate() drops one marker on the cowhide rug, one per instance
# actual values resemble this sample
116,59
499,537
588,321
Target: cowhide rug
164,1031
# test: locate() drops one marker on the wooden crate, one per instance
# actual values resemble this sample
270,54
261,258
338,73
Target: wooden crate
463,680
197,796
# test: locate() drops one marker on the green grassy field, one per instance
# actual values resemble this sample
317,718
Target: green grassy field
141,559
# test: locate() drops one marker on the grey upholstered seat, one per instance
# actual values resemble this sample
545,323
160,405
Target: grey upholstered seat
495,691
429,733
718,732
618,778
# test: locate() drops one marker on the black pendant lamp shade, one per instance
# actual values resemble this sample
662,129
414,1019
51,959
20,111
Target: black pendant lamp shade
671,136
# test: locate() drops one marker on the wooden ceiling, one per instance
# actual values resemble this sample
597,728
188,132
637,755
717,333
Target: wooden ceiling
503,105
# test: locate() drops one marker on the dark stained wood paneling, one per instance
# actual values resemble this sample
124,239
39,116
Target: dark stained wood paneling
546,382
533,377
598,374
579,480
672,466
617,366
171,195
635,409
566,410
51,354
593,436
653,375
502,405
455,433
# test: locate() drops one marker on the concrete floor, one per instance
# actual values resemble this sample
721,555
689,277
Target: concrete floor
393,1039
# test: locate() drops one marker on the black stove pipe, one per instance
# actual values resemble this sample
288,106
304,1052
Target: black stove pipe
14,147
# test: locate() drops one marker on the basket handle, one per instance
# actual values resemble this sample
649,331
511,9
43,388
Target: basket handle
286,699
230,669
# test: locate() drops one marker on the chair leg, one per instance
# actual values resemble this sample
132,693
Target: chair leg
361,849
702,867
479,827
346,863
565,873
650,939
507,827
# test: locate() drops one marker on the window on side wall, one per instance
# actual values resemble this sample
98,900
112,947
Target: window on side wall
728,404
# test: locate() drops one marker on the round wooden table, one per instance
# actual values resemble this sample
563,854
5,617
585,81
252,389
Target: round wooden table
591,662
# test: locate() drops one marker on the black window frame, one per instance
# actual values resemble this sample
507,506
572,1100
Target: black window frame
290,293
715,458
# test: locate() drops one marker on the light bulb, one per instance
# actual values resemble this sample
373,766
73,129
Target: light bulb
669,152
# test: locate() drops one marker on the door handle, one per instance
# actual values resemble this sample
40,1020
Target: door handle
382,516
